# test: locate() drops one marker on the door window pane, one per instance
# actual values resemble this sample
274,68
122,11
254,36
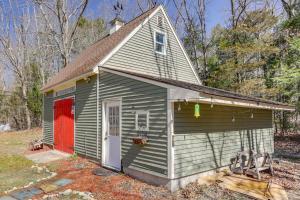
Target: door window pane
113,123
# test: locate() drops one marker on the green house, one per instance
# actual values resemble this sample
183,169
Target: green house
133,102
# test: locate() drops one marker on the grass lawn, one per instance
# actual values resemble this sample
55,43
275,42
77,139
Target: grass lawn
15,169
13,143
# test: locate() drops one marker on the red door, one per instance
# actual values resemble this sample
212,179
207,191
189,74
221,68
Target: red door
64,125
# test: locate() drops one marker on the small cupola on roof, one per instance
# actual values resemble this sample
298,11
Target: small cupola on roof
116,24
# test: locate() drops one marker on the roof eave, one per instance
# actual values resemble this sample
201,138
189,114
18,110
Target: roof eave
198,96
65,82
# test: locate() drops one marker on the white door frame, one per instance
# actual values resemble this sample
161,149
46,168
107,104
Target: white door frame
103,146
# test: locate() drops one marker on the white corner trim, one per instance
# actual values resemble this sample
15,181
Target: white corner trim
125,40
97,115
180,44
170,132
103,126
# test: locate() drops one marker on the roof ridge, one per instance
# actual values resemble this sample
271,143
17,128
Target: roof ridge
108,34
154,7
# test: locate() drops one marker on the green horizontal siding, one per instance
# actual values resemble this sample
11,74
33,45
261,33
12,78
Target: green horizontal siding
137,95
138,55
212,140
86,117
48,118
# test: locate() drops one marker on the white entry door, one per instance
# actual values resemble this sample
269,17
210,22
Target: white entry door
112,139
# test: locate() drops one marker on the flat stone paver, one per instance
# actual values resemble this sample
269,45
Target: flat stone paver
7,198
48,187
47,156
62,182
26,193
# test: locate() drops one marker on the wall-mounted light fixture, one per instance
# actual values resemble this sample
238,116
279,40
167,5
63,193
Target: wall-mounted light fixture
87,79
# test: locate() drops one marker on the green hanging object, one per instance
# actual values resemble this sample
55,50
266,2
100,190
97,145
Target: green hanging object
197,110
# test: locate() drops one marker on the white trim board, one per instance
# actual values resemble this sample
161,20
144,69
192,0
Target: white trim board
104,127
177,93
194,96
67,83
170,114
97,116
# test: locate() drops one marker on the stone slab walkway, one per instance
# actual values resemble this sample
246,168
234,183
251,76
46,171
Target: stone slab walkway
28,193
47,156
7,198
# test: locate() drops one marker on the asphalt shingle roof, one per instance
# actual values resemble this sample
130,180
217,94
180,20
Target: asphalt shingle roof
92,55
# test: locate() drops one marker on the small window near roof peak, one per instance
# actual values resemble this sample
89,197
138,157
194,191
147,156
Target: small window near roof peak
160,21
160,42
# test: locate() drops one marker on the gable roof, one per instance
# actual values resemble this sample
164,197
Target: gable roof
92,55
205,89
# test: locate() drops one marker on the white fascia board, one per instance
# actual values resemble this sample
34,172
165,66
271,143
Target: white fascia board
125,40
67,83
180,44
177,94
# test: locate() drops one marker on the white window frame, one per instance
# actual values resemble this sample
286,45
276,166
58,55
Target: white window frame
164,44
141,112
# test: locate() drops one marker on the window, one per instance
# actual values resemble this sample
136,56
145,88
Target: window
160,21
160,42
142,120
113,121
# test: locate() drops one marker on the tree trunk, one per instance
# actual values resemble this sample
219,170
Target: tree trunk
27,111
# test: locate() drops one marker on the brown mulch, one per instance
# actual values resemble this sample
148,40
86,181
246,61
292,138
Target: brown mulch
116,186
289,144
120,186
286,174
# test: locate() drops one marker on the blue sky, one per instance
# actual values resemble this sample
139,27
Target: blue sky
217,10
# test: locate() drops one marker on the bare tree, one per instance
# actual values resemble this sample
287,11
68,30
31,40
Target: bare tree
192,14
15,43
61,18
237,9
145,5
201,13
291,7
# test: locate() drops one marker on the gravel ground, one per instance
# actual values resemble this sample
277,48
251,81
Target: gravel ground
211,192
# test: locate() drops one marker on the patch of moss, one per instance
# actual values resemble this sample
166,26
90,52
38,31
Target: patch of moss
13,162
